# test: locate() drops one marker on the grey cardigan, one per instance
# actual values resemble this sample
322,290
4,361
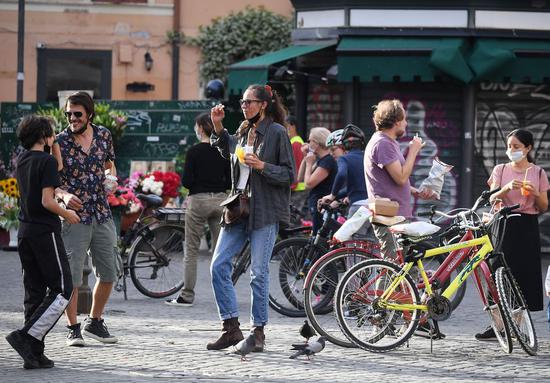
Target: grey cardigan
270,188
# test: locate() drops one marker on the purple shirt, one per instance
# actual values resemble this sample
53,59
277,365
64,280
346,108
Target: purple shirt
381,151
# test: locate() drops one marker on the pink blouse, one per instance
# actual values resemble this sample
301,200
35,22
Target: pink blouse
502,174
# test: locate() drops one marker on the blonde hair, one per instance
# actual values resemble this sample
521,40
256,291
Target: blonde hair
319,135
387,113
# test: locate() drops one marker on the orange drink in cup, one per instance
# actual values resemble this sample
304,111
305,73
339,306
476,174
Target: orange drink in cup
524,191
239,152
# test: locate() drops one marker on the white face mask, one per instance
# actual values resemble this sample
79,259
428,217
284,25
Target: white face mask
515,156
198,134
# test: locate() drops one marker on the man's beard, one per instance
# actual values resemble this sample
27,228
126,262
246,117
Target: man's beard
81,130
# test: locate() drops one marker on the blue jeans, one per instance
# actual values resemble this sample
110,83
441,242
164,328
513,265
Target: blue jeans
230,242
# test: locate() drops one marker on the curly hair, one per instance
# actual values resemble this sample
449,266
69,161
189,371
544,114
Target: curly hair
387,113
34,128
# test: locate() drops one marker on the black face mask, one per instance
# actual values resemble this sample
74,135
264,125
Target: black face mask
47,149
254,119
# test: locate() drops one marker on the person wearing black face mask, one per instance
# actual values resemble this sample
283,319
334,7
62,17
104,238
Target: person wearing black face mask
87,152
262,168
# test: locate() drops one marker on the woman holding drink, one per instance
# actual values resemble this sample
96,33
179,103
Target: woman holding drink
524,183
262,168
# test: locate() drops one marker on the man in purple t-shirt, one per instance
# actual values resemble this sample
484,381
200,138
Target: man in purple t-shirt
387,171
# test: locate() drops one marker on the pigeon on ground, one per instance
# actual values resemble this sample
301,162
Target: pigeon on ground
309,349
307,331
245,346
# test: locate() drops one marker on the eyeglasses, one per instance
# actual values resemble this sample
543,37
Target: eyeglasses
248,102
76,114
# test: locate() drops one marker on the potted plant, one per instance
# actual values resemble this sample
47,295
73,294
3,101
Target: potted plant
9,216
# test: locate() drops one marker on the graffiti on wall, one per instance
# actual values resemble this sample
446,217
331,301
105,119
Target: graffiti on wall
423,120
502,108
324,107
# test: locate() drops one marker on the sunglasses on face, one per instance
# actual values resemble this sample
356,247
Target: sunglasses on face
248,102
76,114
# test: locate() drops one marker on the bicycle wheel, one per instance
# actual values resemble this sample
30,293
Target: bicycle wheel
288,267
493,307
515,310
320,287
156,260
359,311
240,263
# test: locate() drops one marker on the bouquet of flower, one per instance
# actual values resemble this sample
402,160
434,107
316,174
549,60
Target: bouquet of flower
8,186
9,212
151,185
124,198
170,183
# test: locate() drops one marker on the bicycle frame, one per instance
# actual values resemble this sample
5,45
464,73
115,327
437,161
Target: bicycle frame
475,261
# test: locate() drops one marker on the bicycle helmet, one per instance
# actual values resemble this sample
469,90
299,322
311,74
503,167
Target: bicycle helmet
353,137
335,138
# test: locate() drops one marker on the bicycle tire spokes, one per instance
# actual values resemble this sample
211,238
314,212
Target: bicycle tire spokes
365,315
157,260
515,311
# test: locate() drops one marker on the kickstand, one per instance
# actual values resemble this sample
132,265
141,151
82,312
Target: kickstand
434,332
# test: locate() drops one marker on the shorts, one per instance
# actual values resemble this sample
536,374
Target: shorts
101,242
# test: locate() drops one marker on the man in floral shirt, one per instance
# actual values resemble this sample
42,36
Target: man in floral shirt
86,152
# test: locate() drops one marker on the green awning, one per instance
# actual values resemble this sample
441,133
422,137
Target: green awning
511,60
385,58
256,69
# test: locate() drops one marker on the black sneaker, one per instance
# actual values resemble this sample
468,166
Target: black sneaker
23,346
74,337
179,301
44,361
487,335
425,331
96,329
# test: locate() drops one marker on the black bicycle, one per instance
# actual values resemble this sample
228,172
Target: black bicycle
151,250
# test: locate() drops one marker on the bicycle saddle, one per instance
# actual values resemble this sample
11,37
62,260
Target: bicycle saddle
150,200
415,229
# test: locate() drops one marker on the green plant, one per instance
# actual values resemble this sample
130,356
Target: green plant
9,212
237,37
57,115
114,120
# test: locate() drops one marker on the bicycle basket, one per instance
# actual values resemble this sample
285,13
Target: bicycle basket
495,229
170,215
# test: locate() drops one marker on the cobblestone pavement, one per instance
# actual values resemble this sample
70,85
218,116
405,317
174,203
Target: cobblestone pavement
160,343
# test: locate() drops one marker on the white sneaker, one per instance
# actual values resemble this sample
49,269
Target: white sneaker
179,301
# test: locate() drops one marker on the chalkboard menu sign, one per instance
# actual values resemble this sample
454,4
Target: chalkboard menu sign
155,130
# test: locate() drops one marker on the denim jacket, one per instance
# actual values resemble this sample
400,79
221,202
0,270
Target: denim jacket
270,187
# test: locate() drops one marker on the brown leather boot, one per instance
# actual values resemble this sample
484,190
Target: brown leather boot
231,335
259,338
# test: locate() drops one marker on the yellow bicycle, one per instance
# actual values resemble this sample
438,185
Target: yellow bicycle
378,303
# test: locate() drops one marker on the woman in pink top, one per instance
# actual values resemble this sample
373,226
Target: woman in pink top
524,183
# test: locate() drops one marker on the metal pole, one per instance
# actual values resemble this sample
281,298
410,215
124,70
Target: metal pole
176,51
466,178
20,49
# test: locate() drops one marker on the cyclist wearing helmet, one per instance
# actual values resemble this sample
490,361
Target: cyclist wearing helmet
334,144
350,175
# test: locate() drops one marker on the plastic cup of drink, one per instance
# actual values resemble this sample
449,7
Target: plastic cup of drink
524,191
239,152
110,184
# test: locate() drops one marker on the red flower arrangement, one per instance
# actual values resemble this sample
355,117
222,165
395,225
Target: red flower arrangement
123,198
171,183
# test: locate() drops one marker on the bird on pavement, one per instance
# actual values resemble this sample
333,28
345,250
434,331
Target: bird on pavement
309,349
307,331
245,346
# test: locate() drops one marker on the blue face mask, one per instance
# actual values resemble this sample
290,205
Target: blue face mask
515,156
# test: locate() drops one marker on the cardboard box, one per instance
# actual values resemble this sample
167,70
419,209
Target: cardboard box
384,206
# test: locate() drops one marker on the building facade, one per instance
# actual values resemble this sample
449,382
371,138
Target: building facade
120,49
468,72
